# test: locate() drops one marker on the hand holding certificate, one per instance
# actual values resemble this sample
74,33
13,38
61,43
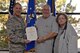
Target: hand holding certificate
31,33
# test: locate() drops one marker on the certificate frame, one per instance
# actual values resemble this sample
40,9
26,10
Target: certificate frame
31,33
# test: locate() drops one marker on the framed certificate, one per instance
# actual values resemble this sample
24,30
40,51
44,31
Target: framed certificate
31,33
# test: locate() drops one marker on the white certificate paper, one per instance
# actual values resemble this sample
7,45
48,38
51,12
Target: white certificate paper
31,33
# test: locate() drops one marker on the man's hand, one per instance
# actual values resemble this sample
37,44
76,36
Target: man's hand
40,40
26,41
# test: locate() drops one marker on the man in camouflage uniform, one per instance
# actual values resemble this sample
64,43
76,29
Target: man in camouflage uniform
15,30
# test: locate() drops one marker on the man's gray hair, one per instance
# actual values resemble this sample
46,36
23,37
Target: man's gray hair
46,5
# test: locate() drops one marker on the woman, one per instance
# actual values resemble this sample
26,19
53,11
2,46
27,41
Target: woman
15,29
66,40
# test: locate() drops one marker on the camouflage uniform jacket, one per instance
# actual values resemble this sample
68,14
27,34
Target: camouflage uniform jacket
15,30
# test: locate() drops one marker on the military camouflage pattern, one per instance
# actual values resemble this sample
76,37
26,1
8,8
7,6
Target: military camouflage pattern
15,30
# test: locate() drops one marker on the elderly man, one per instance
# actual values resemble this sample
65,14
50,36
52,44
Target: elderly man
47,29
